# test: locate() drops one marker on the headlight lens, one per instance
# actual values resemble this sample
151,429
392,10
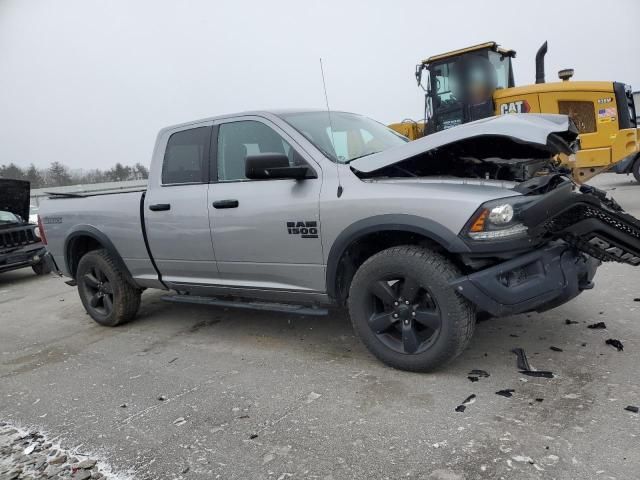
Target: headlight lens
498,220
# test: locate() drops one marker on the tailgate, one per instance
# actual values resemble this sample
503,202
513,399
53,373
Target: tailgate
588,220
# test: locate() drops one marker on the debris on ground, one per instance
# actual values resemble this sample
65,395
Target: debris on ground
597,325
615,343
556,349
526,369
124,405
539,399
570,322
253,435
631,408
479,373
468,401
636,299
179,421
162,398
29,455
507,392
473,379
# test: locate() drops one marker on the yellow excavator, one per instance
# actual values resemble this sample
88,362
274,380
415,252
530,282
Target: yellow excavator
477,82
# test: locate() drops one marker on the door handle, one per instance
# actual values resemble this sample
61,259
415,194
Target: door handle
160,207
226,204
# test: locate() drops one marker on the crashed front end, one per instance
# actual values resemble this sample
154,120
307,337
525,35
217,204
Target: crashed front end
532,251
558,238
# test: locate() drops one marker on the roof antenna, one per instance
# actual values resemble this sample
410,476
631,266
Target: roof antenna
333,143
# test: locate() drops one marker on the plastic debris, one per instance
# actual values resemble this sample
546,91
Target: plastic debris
523,363
539,399
631,408
570,322
473,379
615,343
124,405
507,392
252,436
597,325
556,349
479,373
636,299
537,373
526,369
468,401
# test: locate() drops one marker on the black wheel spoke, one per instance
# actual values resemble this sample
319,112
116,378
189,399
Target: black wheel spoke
410,340
108,303
94,300
428,318
91,280
384,292
380,322
409,290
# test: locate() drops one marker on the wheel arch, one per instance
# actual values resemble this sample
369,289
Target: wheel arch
85,238
385,231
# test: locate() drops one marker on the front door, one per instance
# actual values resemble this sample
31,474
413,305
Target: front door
176,211
266,233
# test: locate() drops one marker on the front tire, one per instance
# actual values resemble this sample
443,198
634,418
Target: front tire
636,169
405,312
106,294
41,268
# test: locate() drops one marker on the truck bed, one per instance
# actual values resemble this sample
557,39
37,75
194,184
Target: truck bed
114,217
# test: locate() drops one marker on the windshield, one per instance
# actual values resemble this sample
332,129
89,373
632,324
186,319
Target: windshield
352,136
502,66
8,217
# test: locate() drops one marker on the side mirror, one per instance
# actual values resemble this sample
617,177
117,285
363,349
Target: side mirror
269,166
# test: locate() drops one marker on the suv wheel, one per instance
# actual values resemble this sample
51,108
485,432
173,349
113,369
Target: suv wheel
105,293
404,311
41,268
635,169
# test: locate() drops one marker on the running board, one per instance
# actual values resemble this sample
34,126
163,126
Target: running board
247,305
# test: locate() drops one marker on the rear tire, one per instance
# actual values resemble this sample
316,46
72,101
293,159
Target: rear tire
41,268
106,294
405,312
635,169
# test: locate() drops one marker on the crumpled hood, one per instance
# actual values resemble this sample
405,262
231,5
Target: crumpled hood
549,133
14,197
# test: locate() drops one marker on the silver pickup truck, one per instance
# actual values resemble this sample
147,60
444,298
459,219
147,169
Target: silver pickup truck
296,211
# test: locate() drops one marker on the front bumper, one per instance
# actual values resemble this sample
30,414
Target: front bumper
21,258
538,280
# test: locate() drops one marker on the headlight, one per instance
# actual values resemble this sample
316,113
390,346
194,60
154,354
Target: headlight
498,220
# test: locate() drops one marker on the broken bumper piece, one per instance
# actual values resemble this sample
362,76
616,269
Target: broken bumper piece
538,280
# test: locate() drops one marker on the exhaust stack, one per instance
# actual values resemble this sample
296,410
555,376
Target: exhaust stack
542,51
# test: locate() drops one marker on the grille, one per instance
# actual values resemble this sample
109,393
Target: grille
584,212
582,114
581,212
17,237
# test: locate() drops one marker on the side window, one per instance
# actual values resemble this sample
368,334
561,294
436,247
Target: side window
185,159
236,140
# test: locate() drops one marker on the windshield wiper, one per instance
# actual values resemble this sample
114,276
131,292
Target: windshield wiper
360,156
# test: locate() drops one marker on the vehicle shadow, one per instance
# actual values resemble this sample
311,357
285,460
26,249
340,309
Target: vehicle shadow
19,277
171,327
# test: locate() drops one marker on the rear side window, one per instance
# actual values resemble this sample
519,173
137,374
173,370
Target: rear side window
185,159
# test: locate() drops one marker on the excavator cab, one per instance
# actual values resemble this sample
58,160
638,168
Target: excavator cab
459,85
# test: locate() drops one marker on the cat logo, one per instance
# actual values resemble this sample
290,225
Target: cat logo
520,106
304,229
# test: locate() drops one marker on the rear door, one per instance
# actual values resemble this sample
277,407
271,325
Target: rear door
265,232
176,209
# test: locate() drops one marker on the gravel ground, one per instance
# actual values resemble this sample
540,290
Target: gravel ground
199,392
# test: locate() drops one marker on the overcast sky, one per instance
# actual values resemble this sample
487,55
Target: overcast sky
89,83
